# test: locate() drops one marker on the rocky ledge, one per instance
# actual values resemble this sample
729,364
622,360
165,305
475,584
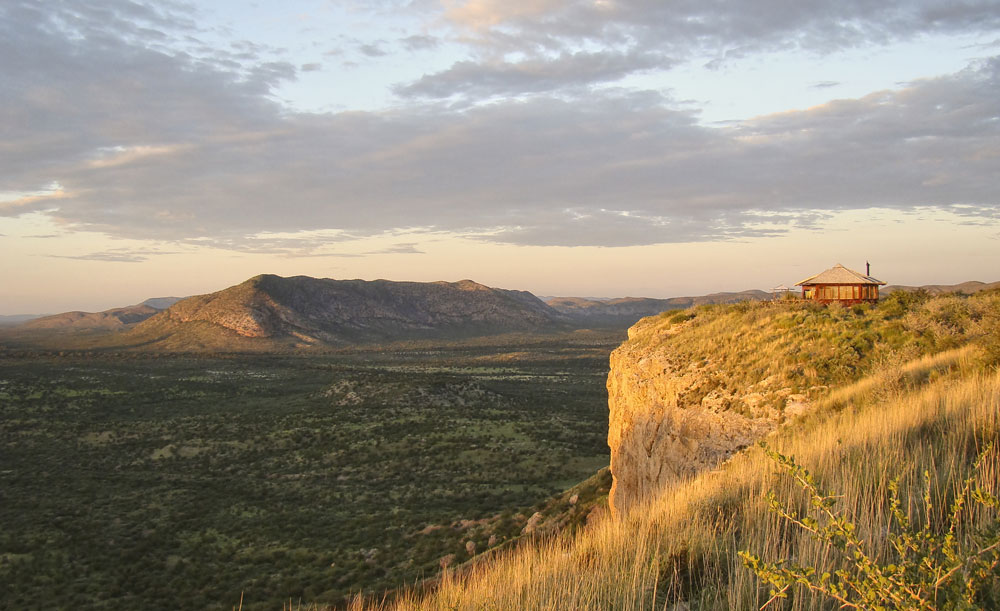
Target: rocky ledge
672,415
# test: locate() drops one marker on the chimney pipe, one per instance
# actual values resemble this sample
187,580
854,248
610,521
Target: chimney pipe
868,269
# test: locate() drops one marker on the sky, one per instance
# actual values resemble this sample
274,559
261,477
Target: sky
598,148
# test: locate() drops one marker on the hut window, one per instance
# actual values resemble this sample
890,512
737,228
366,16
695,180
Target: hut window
846,292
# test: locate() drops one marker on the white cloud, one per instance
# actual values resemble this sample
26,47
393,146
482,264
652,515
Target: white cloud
484,80
508,35
479,14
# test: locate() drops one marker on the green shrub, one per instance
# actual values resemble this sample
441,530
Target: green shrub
952,567
898,303
679,316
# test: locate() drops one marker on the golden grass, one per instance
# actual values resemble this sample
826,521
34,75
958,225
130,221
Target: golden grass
680,550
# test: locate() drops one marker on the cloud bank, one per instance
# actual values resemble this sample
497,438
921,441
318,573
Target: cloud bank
551,33
148,137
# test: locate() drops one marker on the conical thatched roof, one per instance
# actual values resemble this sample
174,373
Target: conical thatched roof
838,274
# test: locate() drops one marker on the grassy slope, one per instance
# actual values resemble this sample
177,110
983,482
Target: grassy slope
932,413
800,346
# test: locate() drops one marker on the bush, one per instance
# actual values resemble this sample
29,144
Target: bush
898,303
933,568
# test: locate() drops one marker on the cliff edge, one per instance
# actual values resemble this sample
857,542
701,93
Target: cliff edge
691,387
671,416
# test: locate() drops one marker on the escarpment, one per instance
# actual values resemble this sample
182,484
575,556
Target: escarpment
668,422
691,387
688,390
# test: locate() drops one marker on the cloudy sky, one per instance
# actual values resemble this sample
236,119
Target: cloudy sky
566,147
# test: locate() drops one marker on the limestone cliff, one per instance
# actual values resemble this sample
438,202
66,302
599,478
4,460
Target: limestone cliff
683,396
691,387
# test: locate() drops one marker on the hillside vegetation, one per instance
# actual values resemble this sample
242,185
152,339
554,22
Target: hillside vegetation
915,389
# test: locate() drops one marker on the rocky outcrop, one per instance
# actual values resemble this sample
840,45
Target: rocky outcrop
671,417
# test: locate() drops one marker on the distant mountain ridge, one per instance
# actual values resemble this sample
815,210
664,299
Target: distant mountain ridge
161,303
113,319
628,310
271,312
9,320
303,311
968,288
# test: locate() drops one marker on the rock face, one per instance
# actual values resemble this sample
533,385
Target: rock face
669,418
309,311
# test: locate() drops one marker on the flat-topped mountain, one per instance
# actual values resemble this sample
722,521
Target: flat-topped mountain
628,310
314,311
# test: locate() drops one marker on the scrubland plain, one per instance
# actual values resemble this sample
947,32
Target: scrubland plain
159,481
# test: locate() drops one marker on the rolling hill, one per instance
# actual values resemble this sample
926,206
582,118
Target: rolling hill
10,320
966,288
115,319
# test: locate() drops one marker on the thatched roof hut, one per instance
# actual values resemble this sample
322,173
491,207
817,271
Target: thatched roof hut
842,285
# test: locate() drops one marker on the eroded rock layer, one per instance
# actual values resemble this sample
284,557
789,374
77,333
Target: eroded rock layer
671,417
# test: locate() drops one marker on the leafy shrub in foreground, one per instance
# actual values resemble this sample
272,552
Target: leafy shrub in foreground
954,570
